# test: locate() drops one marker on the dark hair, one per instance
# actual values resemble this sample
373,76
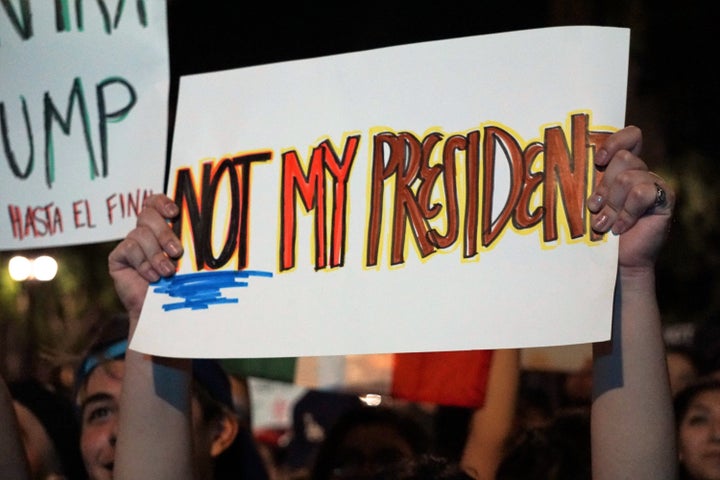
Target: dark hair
560,450
407,427
681,405
109,342
684,397
688,351
424,467
241,459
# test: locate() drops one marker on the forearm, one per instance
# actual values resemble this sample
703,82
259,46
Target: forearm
491,425
154,438
13,462
633,433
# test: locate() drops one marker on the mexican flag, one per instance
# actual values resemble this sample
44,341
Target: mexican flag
457,378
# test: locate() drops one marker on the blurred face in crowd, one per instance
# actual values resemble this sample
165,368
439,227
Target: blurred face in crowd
699,437
100,404
99,418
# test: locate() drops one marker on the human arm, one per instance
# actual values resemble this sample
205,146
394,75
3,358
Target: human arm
13,462
154,434
632,428
491,424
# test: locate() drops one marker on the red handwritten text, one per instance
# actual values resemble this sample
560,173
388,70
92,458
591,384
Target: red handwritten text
37,221
82,216
311,189
405,160
129,204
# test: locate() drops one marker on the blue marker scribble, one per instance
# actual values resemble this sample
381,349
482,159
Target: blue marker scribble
202,289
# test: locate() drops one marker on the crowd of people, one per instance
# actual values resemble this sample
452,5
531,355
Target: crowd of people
135,416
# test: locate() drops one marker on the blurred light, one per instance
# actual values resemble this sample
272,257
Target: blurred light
371,399
42,268
20,268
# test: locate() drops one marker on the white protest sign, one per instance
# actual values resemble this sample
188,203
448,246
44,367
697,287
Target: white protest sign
83,118
415,198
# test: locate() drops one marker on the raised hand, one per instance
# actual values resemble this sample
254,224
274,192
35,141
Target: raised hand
630,200
147,253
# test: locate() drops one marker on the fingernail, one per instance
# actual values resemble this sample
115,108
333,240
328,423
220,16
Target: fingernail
174,249
171,209
167,268
601,223
595,202
619,227
601,156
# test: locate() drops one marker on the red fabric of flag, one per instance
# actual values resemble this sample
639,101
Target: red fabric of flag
444,378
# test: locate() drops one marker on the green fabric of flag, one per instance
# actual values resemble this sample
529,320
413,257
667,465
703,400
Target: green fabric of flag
281,369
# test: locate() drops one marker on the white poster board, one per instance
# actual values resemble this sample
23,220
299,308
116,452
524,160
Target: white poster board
414,198
83,118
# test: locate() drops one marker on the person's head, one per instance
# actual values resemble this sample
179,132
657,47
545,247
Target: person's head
313,415
367,441
99,385
48,430
697,416
559,450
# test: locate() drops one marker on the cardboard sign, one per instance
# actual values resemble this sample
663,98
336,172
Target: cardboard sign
423,197
83,118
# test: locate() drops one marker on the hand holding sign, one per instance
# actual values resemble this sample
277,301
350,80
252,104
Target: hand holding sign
624,201
147,254
626,194
430,207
